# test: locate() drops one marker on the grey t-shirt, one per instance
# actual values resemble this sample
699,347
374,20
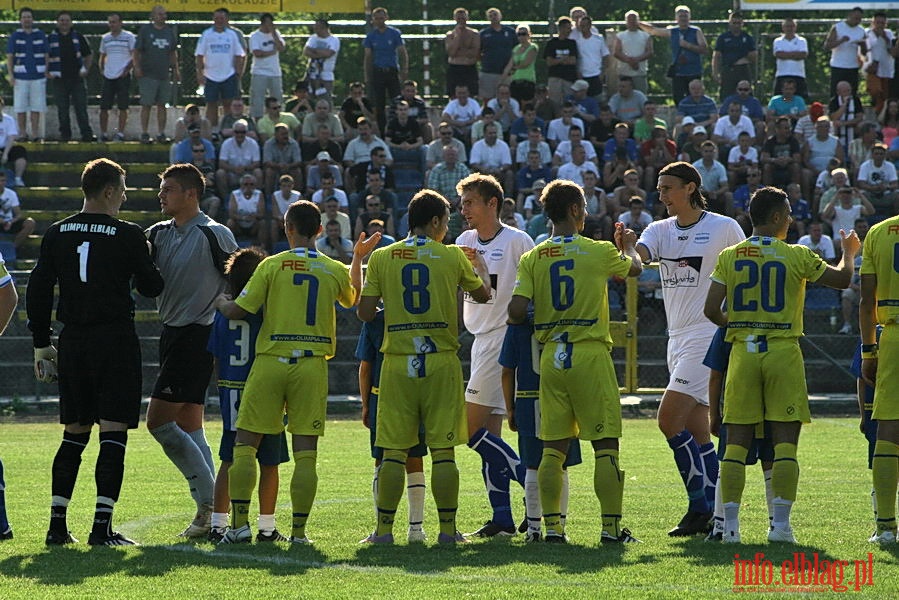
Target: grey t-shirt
191,259
155,46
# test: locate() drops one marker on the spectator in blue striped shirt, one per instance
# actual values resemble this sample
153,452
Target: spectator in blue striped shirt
26,68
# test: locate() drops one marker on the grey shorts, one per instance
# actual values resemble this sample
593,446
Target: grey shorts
154,91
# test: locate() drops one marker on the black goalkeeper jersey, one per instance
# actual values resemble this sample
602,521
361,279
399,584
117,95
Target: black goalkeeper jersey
93,257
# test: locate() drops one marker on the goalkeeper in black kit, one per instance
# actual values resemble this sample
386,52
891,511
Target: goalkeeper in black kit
94,257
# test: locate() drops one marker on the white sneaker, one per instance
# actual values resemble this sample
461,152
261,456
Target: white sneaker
883,538
241,535
417,536
19,182
781,534
730,537
846,329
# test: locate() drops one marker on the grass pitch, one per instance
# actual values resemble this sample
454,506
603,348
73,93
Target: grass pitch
832,518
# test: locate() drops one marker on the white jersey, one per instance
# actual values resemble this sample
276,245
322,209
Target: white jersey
501,254
687,257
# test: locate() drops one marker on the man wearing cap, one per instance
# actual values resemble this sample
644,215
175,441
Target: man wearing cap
697,105
586,107
183,150
693,137
322,164
593,55
804,130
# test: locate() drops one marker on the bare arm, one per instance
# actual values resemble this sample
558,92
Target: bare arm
840,277
368,306
713,301
518,309
8,300
365,368
508,383
867,322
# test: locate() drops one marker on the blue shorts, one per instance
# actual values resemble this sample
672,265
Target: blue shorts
530,447
761,449
221,90
377,453
530,450
272,449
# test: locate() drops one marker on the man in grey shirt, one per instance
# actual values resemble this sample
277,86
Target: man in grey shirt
156,67
190,251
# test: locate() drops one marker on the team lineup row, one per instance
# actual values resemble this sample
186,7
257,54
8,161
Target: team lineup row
554,294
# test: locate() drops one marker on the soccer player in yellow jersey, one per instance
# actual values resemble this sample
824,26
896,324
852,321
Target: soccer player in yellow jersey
421,377
879,303
298,289
763,281
566,279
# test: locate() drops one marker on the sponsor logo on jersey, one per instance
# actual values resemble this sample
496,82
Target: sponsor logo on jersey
702,238
496,254
681,381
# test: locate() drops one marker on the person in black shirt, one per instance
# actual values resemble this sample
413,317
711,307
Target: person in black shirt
68,64
93,257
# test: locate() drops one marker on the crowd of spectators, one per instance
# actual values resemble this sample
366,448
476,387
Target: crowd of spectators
265,150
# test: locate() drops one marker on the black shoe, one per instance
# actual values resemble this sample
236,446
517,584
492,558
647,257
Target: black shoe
6,535
692,524
113,539
523,526
89,138
625,537
555,538
57,538
491,529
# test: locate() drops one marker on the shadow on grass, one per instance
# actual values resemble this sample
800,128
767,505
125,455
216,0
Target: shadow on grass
716,554
570,558
72,565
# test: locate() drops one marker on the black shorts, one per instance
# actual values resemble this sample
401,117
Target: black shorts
99,375
185,365
15,153
115,90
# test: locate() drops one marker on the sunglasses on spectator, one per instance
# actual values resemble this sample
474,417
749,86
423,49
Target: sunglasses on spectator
742,89
199,149
236,131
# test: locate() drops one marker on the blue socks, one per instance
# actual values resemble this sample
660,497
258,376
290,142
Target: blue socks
500,465
692,470
710,462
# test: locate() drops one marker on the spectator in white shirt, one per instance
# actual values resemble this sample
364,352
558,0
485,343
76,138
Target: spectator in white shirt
266,44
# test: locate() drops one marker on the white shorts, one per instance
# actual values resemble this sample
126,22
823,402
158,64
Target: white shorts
486,385
30,95
685,355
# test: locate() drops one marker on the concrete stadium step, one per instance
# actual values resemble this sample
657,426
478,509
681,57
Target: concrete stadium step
68,174
70,199
124,153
